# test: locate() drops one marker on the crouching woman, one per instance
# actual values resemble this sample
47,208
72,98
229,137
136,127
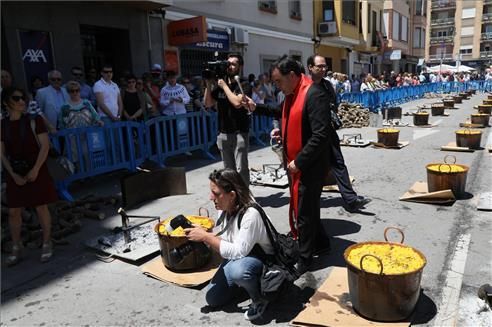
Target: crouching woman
242,266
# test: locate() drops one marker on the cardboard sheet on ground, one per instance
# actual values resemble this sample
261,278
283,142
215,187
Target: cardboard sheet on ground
425,126
400,145
485,201
419,192
157,270
451,146
330,306
334,187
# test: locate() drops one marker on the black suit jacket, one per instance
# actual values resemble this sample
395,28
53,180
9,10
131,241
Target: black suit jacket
317,133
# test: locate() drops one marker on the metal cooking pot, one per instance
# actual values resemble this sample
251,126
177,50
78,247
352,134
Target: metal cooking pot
485,108
179,254
448,103
388,136
437,111
421,118
383,297
481,119
468,138
445,178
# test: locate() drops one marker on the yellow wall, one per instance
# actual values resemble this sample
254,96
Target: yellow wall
336,55
344,29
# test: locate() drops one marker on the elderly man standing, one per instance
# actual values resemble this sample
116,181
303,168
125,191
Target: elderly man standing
51,98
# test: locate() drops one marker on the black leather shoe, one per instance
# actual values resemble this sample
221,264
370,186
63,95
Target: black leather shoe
358,204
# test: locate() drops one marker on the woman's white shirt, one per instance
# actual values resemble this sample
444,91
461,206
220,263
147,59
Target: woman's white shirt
238,242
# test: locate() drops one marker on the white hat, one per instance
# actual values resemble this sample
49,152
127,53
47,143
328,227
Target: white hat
156,67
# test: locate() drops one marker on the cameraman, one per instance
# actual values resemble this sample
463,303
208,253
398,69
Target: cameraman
233,138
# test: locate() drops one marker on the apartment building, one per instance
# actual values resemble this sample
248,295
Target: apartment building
336,28
459,33
372,47
397,56
40,36
261,30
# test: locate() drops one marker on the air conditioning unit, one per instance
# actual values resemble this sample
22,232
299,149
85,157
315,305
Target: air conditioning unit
327,28
240,36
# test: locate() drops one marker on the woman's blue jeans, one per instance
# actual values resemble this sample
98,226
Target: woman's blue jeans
231,275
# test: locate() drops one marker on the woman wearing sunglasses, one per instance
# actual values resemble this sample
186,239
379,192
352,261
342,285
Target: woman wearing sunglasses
28,181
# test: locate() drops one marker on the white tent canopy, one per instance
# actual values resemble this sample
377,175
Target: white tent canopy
443,67
449,68
464,68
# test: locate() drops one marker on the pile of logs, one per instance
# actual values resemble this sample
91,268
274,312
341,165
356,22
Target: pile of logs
66,219
353,115
432,95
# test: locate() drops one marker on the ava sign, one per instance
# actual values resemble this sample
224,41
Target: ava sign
37,54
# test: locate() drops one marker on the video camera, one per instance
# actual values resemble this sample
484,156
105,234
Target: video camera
215,69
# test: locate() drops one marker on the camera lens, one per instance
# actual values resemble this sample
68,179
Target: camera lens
178,254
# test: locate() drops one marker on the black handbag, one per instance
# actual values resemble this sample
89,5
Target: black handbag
20,167
59,167
279,271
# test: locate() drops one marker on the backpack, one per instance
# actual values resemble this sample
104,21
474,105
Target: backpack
279,272
336,123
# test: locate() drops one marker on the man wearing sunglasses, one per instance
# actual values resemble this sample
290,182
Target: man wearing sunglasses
108,96
317,68
85,90
51,98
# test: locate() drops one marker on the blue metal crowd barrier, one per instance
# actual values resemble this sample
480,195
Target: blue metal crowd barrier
125,145
375,100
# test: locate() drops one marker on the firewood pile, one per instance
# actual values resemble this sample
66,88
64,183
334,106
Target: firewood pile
66,219
432,95
353,115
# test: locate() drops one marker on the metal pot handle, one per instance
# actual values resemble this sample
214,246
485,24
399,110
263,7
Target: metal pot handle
445,164
397,229
450,156
200,212
370,255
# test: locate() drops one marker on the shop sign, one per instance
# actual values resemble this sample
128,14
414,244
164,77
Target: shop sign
171,61
395,55
364,58
37,54
216,40
187,31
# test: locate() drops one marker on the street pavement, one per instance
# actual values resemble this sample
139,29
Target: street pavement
76,288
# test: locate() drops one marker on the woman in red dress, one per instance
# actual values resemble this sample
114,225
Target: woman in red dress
28,181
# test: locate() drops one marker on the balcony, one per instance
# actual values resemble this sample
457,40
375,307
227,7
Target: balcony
442,21
487,2
487,36
443,56
443,4
485,54
487,17
441,39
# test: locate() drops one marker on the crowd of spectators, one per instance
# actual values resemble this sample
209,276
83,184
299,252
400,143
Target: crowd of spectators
158,92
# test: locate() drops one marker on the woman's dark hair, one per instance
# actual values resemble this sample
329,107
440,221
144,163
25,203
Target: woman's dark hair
287,64
8,92
230,180
237,55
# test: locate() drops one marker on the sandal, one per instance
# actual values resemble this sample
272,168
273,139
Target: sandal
46,252
16,256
